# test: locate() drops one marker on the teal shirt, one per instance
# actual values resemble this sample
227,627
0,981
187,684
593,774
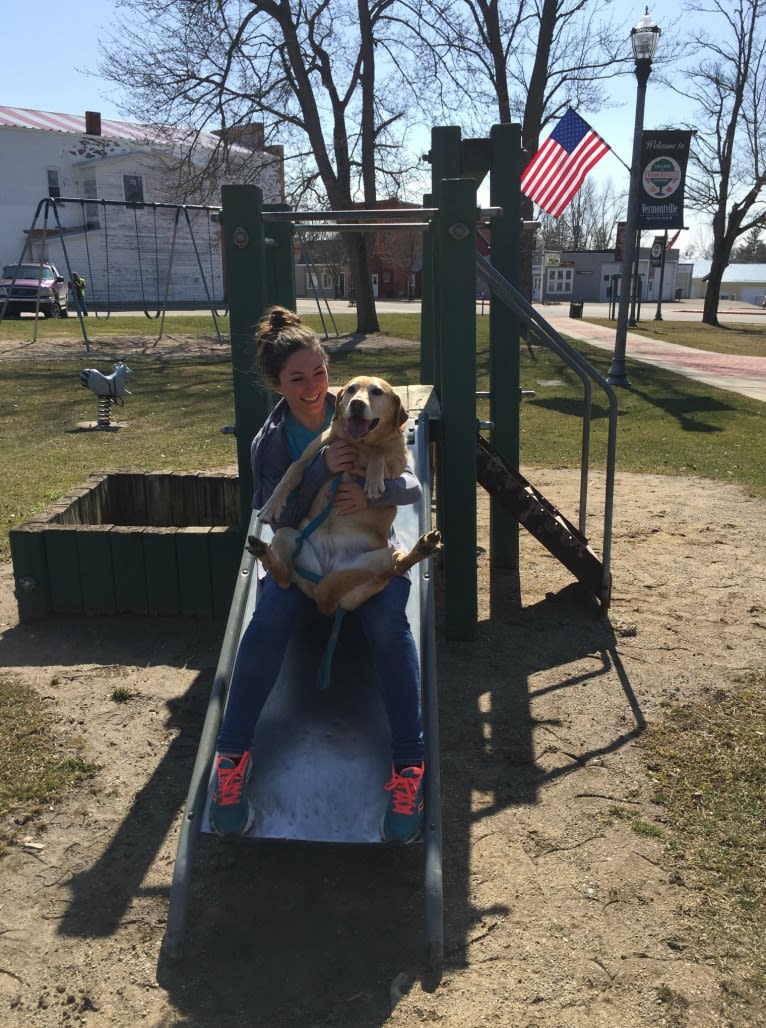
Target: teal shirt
298,436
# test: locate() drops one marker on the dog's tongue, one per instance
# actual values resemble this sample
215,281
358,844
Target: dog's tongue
357,428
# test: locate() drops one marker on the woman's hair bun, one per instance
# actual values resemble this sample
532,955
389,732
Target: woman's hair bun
277,318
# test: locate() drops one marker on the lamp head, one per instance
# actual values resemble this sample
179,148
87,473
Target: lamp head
644,37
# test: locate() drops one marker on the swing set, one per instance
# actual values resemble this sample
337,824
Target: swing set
151,259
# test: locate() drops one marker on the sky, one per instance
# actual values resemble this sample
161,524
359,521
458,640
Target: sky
51,74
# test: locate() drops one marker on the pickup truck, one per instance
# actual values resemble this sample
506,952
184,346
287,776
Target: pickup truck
22,284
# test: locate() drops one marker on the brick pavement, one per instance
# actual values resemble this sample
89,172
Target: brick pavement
738,374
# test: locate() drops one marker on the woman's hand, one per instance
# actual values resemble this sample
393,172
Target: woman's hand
340,456
350,498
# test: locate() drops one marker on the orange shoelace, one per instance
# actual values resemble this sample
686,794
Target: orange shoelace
405,790
230,782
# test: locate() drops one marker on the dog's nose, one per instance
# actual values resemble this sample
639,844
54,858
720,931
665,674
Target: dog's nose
357,407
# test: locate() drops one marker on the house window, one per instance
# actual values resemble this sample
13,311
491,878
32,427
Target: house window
54,189
559,281
133,187
90,191
326,280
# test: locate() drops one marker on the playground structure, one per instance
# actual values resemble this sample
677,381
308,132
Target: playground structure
258,241
259,258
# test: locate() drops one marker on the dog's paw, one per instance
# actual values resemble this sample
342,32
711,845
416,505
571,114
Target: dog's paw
374,488
271,510
256,546
429,543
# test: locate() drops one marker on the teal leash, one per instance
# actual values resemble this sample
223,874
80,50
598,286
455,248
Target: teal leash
325,668
312,526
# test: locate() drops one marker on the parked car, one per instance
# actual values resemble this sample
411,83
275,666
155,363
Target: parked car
22,284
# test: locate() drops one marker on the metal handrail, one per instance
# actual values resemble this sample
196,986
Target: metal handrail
506,292
432,833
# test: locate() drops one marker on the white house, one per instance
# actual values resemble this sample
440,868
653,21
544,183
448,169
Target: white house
127,205
745,282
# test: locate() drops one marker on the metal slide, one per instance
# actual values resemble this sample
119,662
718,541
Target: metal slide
321,757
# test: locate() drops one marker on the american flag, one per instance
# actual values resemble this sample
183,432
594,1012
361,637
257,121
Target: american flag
559,167
671,242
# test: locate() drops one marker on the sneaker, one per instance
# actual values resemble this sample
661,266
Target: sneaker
231,812
403,820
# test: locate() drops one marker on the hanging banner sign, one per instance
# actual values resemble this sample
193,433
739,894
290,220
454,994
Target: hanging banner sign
664,156
658,249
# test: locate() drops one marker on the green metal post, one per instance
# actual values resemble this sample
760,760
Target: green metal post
455,243
243,232
427,327
445,156
445,164
280,260
505,377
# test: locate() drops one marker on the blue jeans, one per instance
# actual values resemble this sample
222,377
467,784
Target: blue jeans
392,649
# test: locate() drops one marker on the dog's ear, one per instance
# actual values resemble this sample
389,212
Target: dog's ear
338,399
400,414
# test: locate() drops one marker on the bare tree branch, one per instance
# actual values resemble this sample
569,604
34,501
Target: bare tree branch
727,172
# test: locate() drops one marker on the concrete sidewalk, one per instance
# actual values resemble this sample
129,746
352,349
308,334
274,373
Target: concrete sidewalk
738,374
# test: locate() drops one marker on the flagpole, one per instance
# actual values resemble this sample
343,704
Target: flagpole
644,38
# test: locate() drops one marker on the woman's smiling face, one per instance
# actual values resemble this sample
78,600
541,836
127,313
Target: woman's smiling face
303,383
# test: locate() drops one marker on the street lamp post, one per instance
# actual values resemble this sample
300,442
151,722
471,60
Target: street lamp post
658,313
644,37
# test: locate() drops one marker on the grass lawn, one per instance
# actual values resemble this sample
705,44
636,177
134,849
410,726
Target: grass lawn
37,766
114,325
746,340
668,424
708,764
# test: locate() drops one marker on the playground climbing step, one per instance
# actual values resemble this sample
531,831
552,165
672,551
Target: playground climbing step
538,516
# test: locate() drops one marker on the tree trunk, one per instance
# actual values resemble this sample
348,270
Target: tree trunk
530,132
723,240
712,296
366,315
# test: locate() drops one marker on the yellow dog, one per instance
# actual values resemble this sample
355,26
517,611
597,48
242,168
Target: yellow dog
346,559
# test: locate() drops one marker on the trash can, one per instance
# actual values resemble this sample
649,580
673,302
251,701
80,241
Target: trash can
575,309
